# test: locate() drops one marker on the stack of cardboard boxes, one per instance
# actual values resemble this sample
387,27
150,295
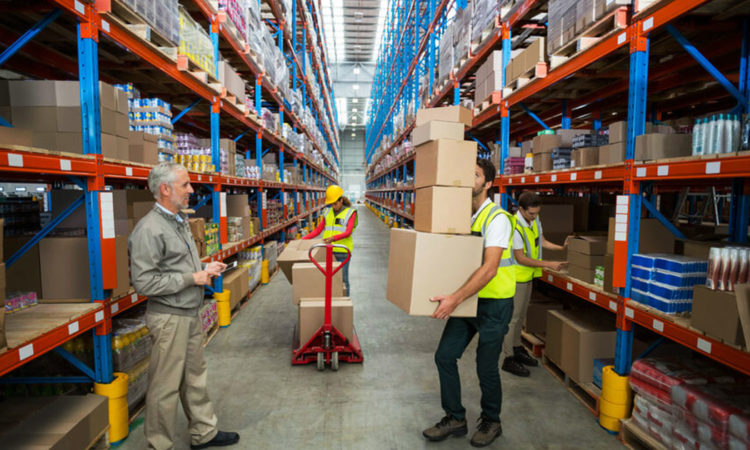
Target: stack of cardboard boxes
525,63
545,146
441,254
308,290
489,77
585,255
198,230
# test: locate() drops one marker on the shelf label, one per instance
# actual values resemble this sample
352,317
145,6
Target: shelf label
623,199
621,218
554,177
129,171
613,305
622,38
99,316
79,7
573,176
570,286
73,328
133,298
592,296
115,308
25,352
629,313
536,179
640,172
622,209
510,180
106,203
15,160
621,227
658,325
598,175
550,278
648,23
105,26
200,177
704,345
223,204
711,167
65,165
662,171
523,179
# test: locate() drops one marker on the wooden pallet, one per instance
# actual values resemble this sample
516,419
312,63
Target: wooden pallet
533,343
493,99
185,64
538,71
210,333
636,438
132,19
484,36
146,34
587,393
613,22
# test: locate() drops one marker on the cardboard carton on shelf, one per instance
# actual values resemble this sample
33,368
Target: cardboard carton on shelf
542,162
309,281
586,156
661,146
445,162
238,205
423,265
612,153
16,136
440,209
311,317
445,114
654,237
3,342
716,314
435,130
545,143
581,273
588,245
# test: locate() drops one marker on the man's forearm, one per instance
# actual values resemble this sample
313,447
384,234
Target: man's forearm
551,246
524,260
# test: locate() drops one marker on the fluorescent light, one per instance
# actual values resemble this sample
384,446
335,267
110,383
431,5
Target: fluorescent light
354,109
355,100
40,189
356,71
355,87
20,189
354,135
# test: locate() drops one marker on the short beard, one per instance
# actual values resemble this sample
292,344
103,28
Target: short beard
477,193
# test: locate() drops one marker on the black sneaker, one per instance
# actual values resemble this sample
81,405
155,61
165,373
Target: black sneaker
522,356
448,426
487,431
516,368
222,439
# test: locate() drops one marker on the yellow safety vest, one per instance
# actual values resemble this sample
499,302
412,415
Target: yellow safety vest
532,249
503,285
336,224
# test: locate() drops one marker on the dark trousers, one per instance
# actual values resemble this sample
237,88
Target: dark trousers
493,317
342,257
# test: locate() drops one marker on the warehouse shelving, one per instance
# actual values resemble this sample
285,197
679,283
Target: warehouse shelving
91,171
625,93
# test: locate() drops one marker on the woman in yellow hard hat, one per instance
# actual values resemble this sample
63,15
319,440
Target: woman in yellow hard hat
340,220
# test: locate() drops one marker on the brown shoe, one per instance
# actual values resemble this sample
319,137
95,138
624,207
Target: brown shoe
487,431
448,426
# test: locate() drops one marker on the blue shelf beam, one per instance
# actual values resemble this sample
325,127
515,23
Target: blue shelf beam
29,35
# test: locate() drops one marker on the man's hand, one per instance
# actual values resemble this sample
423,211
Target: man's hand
202,278
328,240
556,265
215,268
565,244
448,303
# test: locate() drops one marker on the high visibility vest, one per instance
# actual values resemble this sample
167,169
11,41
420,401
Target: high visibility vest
336,224
503,285
532,248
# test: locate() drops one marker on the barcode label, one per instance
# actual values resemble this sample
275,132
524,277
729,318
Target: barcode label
640,172
65,165
662,171
570,286
99,316
573,176
129,171
554,177
592,296
622,38
105,26
598,175
26,352
523,179
613,305
711,168
133,298
550,278
115,308
629,313
658,325
79,7
223,204
15,160
648,24
704,345
536,179
73,328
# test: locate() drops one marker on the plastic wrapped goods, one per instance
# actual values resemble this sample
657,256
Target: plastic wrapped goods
714,268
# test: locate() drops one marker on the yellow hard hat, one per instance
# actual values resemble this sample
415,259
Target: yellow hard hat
333,193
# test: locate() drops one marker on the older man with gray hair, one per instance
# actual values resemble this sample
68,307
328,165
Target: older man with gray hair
166,268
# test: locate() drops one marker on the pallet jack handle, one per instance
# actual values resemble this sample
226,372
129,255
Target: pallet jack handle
328,272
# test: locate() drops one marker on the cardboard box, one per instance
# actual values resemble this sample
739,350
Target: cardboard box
73,143
581,273
197,228
609,265
16,136
580,211
536,317
122,125
309,282
236,281
256,225
534,53
123,149
123,266
542,162
654,237
445,114
439,209
60,199
24,275
145,153
612,153
618,132
586,156
110,147
545,143
140,209
698,249
238,205
445,163
121,101
566,136
716,314
312,312
557,238
44,93
553,345
435,130
660,146
48,118
588,245
585,261
423,265
297,251
527,147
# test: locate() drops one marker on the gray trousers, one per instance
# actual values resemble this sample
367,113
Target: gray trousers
520,305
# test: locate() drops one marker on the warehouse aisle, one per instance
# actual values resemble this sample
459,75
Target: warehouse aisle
381,404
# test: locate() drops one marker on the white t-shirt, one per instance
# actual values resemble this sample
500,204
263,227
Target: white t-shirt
498,231
517,238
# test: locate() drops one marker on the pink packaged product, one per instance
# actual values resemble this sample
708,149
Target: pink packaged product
16,301
738,444
728,267
714,404
702,431
663,373
651,392
739,427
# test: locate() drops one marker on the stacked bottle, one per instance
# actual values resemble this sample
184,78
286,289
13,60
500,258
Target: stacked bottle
719,133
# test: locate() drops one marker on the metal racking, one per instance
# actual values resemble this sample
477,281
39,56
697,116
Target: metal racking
91,171
623,55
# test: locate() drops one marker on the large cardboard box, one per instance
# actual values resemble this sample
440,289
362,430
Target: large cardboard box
660,146
586,156
309,282
423,265
581,273
312,312
44,93
237,282
545,143
49,118
238,205
654,237
609,265
16,136
445,114
618,132
123,148
557,220
580,211
612,153
585,261
585,339
553,345
297,251
566,136
435,130
536,317
439,209
24,275
588,245
445,163
123,267
140,209
716,314
144,152
60,199
542,162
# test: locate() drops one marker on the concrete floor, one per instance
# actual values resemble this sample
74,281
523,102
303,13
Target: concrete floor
384,403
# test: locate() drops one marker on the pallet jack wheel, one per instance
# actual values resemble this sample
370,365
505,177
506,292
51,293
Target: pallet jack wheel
335,361
321,361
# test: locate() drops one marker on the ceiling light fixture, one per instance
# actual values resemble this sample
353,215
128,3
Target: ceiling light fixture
355,87
355,100
356,71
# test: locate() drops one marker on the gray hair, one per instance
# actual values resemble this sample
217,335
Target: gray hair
165,172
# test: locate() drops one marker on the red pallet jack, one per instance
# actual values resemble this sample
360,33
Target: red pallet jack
328,346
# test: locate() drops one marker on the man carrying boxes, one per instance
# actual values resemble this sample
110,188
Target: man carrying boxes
495,283
527,252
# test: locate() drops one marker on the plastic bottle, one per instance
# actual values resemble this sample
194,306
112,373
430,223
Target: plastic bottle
721,134
710,136
735,133
698,137
745,132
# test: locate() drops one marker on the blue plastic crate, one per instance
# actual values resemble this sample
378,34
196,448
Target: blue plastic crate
641,273
681,264
668,292
641,285
643,261
639,295
670,306
679,280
